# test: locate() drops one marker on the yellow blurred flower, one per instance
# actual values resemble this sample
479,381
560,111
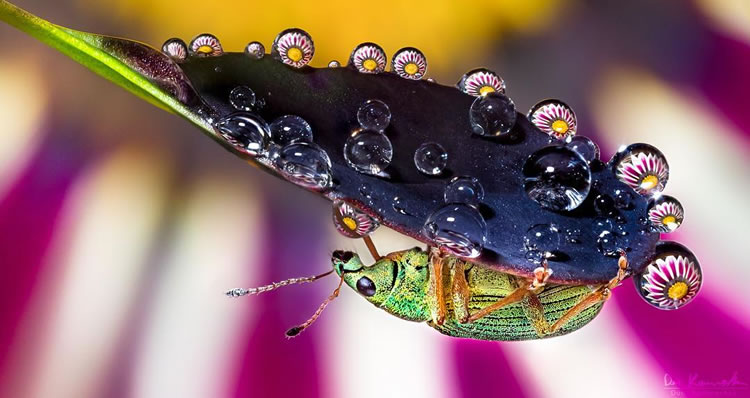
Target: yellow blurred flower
451,34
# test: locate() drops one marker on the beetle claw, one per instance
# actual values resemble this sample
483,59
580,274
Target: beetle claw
541,274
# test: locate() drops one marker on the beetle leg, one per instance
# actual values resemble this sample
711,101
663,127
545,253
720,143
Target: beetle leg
371,247
514,297
534,310
541,274
436,290
602,293
460,292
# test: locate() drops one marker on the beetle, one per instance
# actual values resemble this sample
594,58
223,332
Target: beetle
510,204
475,302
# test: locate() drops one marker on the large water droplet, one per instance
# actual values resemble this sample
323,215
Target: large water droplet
480,82
557,178
245,131
492,115
585,147
555,118
242,98
352,222
290,129
541,241
374,115
458,229
293,47
368,151
430,158
305,164
464,189
672,279
641,166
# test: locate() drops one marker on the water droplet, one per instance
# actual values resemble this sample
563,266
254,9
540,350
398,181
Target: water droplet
480,82
555,118
624,199
641,166
585,147
665,213
374,115
430,158
242,98
245,131
366,191
604,206
255,50
573,236
608,244
557,178
368,58
409,63
206,45
290,129
293,47
492,115
368,151
399,206
464,189
672,279
541,241
352,222
334,64
305,164
458,229
602,224
175,48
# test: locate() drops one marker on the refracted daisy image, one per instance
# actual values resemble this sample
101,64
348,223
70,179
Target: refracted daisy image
175,48
555,118
671,281
256,49
206,45
368,58
352,222
643,167
409,63
666,214
294,47
480,82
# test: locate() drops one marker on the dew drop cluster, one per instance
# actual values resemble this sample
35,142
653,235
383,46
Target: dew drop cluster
458,227
557,177
368,149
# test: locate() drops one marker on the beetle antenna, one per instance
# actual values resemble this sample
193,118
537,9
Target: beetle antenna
238,292
295,331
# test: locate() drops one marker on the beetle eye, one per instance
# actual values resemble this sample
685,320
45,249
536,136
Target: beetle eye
366,286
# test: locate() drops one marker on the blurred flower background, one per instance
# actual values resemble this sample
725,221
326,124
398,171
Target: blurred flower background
121,226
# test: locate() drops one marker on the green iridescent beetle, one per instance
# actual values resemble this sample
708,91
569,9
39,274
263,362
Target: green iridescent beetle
461,299
469,300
